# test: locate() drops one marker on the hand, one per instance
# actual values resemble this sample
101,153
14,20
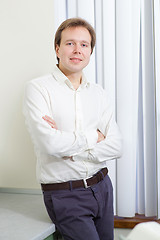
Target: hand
101,137
50,121
67,158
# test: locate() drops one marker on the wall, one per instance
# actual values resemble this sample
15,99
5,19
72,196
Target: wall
26,52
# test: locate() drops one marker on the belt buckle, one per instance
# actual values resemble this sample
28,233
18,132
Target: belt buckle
85,183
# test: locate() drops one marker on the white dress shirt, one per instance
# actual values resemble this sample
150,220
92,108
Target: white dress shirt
78,114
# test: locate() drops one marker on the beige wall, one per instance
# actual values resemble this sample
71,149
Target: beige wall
26,52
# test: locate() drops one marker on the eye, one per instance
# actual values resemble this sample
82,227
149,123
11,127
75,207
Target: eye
84,45
69,43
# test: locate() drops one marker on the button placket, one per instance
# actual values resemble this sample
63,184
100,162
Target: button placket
79,117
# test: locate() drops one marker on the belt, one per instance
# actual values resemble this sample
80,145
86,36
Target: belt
83,183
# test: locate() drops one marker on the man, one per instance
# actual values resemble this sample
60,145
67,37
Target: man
73,129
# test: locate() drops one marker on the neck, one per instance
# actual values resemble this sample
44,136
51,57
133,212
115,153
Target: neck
75,78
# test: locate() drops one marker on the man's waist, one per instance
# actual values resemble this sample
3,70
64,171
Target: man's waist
83,183
51,170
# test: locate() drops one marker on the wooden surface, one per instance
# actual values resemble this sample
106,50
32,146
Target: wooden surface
121,222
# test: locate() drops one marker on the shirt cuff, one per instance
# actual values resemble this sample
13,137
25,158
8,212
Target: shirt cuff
92,137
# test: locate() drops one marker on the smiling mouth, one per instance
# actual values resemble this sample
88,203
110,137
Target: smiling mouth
75,59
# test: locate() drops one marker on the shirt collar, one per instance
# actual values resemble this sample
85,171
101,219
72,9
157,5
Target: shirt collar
62,79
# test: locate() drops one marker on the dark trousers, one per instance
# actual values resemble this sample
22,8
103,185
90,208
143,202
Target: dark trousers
83,213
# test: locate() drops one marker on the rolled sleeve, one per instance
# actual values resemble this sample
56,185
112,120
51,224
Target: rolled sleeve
92,137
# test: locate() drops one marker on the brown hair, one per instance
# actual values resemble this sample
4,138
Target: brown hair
75,22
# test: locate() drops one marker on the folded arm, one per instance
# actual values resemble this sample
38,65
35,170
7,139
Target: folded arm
111,145
49,139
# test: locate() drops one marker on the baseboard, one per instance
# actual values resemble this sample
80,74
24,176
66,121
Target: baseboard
20,191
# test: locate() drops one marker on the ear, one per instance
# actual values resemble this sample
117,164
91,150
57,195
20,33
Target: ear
57,50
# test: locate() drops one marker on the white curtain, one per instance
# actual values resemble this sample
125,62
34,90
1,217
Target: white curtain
146,159
125,63
156,20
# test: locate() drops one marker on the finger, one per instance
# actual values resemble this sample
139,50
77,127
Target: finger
49,120
68,158
50,123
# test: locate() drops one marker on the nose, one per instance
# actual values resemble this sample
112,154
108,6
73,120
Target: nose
77,49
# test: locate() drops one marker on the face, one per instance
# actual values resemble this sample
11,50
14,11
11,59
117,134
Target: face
74,50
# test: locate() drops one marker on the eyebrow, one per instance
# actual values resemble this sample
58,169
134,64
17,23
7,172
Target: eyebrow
74,40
